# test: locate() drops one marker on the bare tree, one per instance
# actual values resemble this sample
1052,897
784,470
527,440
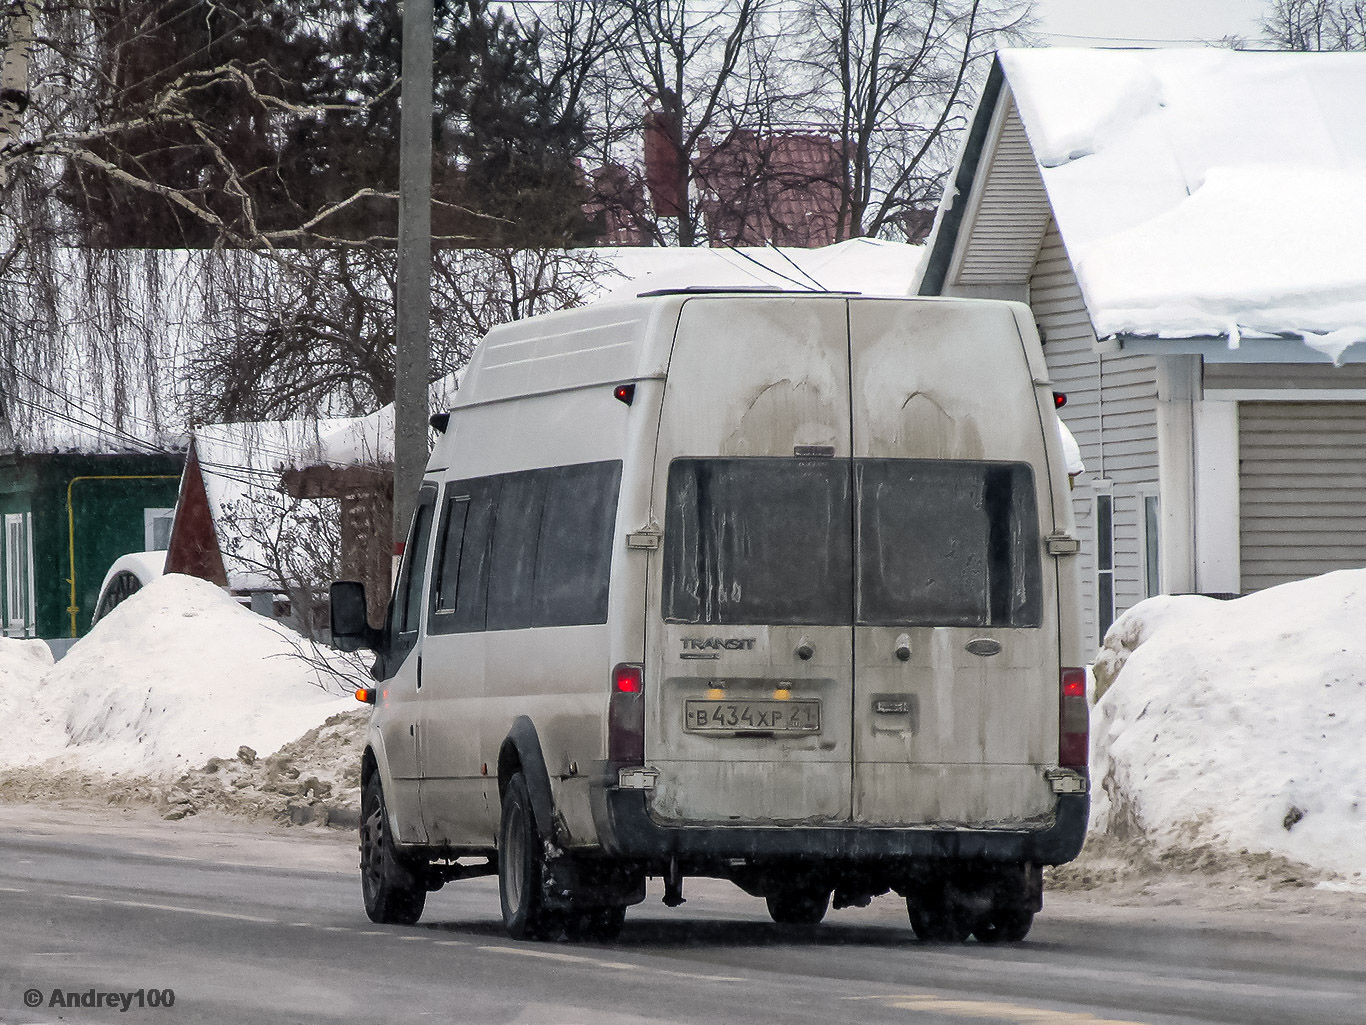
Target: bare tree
1316,24
315,337
894,80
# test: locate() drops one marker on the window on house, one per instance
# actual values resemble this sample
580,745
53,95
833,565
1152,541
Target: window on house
1151,575
1105,562
156,529
18,577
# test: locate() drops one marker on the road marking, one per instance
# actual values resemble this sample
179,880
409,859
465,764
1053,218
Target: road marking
81,896
13,889
372,932
194,911
1017,1014
413,939
335,928
442,943
550,955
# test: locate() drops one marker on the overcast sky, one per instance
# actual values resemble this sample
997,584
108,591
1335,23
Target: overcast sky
1146,22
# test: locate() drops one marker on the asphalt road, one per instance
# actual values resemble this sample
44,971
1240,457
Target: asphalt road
282,938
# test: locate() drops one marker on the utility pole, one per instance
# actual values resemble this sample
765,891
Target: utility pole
414,301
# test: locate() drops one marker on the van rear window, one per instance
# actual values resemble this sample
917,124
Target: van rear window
881,542
945,542
758,540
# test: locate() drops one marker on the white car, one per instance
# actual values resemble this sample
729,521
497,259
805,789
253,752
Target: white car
129,574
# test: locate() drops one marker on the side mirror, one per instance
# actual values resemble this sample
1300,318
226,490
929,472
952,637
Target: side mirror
351,629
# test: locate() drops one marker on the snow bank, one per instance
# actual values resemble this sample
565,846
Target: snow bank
22,665
1206,192
1239,724
176,674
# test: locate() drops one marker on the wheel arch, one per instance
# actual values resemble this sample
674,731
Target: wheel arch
521,752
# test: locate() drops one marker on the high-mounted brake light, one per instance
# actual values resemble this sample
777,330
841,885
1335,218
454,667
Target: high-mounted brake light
626,715
624,393
1059,400
1074,726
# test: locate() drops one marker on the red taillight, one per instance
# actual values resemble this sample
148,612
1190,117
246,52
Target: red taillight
1073,721
626,678
626,715
1059,400
624,393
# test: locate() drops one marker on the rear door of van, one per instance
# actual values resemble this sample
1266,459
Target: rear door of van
955,703
749,631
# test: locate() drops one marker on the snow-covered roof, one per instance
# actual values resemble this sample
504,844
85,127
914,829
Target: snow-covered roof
1206,192
241,465
867,265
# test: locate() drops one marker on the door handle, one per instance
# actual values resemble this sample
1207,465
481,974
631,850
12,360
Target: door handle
419,672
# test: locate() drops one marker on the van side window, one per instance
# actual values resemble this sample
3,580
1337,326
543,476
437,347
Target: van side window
408,608
459,598
534,549
516,536
448,555
574,560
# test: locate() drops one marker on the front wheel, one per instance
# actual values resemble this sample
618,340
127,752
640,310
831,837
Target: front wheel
394,891
521,868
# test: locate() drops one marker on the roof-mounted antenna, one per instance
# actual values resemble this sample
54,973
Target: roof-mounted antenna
760,263
800,270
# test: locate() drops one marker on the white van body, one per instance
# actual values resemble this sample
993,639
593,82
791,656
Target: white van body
831,531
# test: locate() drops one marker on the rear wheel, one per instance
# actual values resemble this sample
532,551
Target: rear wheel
798,906
394,889
521,868
1004,925
935,918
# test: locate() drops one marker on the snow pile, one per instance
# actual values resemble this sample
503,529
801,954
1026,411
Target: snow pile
1206,192
1239,725
175,675
22,665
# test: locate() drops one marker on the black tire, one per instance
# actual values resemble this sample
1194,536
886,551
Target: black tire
798,906
394,889
601,925
934,919
521,868
1004,926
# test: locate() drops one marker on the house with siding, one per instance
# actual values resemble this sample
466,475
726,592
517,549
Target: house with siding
74,497
1189,227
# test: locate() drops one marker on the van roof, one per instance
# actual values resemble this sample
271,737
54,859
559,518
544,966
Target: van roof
603,343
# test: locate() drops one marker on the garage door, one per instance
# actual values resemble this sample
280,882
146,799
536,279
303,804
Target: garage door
1303,489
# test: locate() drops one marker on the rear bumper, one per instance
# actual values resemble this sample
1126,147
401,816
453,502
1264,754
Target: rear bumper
626,830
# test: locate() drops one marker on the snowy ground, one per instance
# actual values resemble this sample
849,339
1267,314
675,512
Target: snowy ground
182,698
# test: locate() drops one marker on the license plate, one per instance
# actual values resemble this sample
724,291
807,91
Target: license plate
733,717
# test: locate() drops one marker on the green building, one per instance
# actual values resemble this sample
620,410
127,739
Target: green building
62,510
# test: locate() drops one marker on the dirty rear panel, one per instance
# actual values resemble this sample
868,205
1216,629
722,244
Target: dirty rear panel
749,645
956,645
